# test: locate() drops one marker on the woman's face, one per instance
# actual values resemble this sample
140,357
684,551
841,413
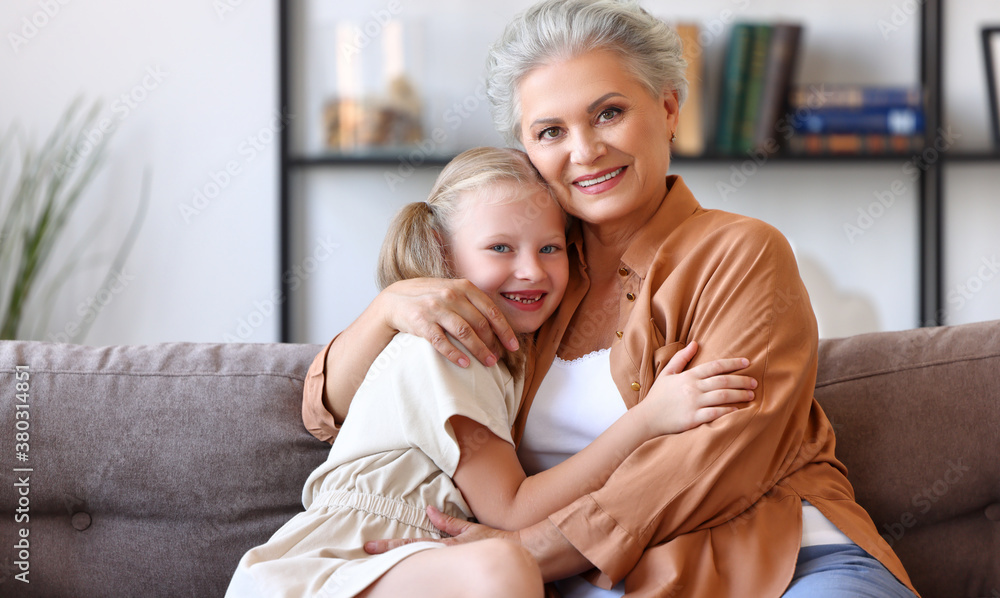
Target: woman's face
598,137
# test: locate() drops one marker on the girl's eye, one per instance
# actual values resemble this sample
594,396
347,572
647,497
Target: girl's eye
550,249
608,114
500,248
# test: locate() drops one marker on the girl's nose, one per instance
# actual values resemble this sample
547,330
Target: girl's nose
529,267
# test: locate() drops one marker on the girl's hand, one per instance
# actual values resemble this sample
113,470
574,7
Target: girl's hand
459,530
431,307
680,400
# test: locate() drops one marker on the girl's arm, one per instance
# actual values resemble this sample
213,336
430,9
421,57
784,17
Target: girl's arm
425,307
498,492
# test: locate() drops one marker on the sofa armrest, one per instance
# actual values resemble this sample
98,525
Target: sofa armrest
916,414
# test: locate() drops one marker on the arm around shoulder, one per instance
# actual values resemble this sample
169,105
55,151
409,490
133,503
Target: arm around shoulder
338,371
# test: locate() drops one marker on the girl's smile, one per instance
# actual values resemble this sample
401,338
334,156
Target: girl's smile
510,241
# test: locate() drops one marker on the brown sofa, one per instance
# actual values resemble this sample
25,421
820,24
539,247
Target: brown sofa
153,468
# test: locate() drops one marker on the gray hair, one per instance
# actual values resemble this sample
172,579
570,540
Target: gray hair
561,29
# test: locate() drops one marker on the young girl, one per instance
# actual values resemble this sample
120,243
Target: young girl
423,432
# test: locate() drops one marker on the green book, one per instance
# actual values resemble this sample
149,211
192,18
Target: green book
734,72
753,88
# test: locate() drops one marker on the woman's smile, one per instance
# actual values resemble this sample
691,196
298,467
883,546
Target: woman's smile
601,182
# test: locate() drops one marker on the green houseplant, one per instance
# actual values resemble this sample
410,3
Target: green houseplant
36,203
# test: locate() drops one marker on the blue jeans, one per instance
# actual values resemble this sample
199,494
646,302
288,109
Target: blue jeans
842,571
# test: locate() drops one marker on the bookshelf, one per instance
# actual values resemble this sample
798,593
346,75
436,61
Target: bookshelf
928,187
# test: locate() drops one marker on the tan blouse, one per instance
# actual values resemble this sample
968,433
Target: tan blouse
716,511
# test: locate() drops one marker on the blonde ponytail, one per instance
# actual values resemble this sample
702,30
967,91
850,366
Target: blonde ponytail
412,247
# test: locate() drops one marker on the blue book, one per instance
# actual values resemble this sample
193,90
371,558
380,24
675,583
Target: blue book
824,95
890,120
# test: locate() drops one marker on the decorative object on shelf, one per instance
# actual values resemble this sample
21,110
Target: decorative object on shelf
690,139
991,54
857,119
46,186
759,65
375,103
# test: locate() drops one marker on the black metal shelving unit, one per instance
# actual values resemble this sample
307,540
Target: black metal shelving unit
930,184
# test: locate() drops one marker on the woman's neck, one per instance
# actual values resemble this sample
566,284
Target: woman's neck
604,252
604,244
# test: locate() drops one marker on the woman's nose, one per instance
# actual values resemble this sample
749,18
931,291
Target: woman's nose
587,148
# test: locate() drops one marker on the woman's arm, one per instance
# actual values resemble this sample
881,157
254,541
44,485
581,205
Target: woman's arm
500,495
428,308
753,304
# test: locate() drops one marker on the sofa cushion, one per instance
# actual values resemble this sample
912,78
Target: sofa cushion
917,419
153,468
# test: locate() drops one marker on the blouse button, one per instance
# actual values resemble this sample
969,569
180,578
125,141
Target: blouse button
623,271
630,296
619,334
635,386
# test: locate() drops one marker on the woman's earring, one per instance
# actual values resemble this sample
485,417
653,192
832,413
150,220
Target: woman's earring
673,137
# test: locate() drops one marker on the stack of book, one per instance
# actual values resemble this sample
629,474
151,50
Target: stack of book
856,119
759,66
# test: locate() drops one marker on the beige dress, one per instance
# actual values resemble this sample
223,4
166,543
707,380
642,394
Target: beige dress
394,456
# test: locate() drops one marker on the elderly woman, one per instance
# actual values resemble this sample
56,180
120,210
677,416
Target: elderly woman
754,504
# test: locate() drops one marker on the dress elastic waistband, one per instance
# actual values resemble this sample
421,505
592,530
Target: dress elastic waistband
382,506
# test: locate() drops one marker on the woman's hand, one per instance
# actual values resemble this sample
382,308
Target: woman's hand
680,400
431,307
461,532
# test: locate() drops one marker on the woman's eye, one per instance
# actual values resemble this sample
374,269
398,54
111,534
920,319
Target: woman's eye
608,114
549,133
500,248
550,249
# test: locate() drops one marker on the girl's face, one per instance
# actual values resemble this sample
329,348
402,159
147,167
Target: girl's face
510,241
598,137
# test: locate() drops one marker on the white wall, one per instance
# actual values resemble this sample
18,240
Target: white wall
215,89
214,278
972,212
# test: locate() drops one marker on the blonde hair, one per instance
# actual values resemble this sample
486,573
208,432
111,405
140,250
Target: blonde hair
416,244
